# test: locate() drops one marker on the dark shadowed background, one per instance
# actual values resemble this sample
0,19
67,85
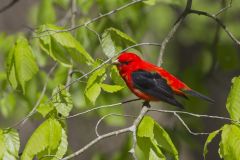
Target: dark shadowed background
194,54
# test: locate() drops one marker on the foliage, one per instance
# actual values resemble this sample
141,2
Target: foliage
83,55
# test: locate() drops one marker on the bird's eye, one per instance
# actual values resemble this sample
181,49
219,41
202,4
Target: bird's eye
126,62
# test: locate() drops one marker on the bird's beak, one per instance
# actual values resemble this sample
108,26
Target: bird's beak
116,62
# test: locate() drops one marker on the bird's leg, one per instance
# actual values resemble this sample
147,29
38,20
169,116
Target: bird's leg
146,103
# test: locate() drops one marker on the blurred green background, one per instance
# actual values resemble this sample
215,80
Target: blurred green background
194,54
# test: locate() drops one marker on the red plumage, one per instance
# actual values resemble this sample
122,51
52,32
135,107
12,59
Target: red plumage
150,82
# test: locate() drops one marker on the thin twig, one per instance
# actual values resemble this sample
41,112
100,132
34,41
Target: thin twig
217,20
132,129
101,65
108,115
143,112
33,111
223,9
12,3
100,107
195,115
186,126
96,140
96,33
73,24
173,31
90,21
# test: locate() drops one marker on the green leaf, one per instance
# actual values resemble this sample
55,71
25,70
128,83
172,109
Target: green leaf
150,149
47,137
113,41
93,88
157,138
93,92
44,109
145,128
62,148
63,47
21,65
150,2
164,141
9,144
230,142
97,76
115,76
46,12
111,88
208,141
62,100
233,101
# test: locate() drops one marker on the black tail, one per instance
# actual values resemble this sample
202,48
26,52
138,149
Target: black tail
174,102
199,95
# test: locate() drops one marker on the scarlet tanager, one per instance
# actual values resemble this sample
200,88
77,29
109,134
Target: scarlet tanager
152,83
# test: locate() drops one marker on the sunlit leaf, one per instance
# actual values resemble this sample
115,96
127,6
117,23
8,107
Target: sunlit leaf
47,136
111,88
150,149
21,65
62,100
62,47
115,76
157,138
150,2
93,88
9,144
230,142
233,101
113,41
93,92
44,109
210,137
62,148
146,127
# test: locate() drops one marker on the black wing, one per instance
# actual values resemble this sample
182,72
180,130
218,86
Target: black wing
154,85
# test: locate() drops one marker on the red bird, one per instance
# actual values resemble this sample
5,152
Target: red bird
152,83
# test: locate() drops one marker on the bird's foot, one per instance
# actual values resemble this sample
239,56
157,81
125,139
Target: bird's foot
147,104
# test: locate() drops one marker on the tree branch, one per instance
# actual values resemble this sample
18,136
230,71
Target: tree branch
132,129
173,31
108,115
33,111
101,65
219,22
12,3
50,32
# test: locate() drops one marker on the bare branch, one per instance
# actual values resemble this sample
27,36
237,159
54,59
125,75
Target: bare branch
219,22
12,3
186,126
173,31
143,112
33,111
101,65
108,115
114,133
96,33
224,9
132,129
50,32
100,107
195,115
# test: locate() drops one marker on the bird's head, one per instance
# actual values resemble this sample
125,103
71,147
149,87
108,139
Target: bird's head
127,61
